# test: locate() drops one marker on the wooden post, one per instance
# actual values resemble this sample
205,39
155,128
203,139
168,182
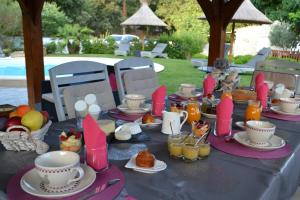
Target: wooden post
33,46
218,14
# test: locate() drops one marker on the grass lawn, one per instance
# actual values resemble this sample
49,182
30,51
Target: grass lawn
176,71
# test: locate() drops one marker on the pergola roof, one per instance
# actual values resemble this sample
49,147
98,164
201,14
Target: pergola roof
248,13
143,17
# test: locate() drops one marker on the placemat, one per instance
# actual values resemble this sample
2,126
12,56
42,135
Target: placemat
116,114
176,98
15,192
270,114
235,148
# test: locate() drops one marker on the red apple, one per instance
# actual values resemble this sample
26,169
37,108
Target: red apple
14,121
45,116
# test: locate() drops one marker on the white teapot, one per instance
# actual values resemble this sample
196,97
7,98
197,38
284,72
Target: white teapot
172,119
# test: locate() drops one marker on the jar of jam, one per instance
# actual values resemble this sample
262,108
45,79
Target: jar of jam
253,110
193,110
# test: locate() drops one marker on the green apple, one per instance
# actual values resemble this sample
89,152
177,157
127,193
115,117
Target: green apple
33,120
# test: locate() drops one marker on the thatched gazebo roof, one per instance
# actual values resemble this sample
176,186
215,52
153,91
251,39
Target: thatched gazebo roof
143,17
248,13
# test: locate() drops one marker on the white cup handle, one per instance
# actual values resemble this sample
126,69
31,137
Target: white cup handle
182,113
81,174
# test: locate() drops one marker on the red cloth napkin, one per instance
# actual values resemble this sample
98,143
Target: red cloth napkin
95,141
209,85
224,113
158,100
262,94
113,81
259,79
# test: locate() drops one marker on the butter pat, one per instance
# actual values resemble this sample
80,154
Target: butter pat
108,126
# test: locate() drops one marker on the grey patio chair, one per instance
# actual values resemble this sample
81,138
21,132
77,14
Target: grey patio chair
102,90
140,81
127,65
123,49
156,52
70,74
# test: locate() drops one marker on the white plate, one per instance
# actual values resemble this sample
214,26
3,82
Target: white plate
155,124
158,166
274,143
277,110
123,108
241,125
31,184
211,116
193,95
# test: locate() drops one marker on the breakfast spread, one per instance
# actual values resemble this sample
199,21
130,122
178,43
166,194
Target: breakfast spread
70,141
209,104
200,128
243,95
145,159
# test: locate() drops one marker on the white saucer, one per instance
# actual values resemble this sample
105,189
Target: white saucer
155,124
241,125
192,95
211,116
123,108
158,166
277,110
31,183
274,143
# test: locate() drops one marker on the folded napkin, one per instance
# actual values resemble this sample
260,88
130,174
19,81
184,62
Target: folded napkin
259,79
209,85
224,113
158,100
262,94
95,141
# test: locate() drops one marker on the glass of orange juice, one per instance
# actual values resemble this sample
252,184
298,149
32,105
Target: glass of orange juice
193,110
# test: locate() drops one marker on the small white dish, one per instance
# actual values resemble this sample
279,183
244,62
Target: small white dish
156,123
210,116
192,95
31,183
124,108
275,142
277,110
158,166
240,124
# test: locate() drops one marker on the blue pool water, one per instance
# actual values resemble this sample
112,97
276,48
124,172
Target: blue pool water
20,70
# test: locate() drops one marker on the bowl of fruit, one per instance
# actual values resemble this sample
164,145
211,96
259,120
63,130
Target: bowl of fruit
70,141
200,128
149,121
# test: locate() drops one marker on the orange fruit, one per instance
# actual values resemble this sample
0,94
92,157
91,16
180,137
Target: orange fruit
13,114
22,110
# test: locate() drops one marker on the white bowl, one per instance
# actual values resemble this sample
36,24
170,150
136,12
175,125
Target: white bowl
260,132
289,104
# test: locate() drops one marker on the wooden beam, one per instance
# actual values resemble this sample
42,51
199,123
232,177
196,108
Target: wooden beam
33,46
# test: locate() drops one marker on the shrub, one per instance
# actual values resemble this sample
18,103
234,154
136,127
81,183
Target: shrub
135,46
282,36
51,48
98,46
242,59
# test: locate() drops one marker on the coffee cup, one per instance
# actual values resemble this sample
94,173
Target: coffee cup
187,89
134,101
58,169
260,132
289,105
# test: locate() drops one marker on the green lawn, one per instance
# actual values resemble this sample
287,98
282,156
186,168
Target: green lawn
176,71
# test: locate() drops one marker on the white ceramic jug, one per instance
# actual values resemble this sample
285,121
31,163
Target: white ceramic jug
173,119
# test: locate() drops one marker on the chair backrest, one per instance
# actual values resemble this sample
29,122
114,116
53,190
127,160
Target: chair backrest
141,81
70,74
260,56
126,65
124,47
159,48
102,90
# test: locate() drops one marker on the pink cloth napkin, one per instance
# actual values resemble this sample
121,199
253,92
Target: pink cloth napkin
209,85
95,141
262,94
158,100
259,79
224,113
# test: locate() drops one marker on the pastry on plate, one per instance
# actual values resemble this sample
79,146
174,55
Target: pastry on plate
148,119
145,159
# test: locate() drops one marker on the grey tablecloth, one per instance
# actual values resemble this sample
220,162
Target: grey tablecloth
221,176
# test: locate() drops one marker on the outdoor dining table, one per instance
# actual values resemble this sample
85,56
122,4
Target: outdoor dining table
220,176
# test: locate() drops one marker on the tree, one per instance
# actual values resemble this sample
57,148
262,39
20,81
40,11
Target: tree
52,18
11,18
282,36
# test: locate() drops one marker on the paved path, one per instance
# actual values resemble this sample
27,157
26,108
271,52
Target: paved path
13,96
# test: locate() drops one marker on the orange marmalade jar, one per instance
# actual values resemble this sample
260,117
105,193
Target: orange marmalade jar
253,110
193,110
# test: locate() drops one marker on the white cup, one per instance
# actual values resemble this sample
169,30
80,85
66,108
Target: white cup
90,99
260,132
187,89
289,105
134,101
94,110
58,169
81,108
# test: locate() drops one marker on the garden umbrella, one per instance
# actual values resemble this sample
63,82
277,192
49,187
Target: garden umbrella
143,17
247,13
